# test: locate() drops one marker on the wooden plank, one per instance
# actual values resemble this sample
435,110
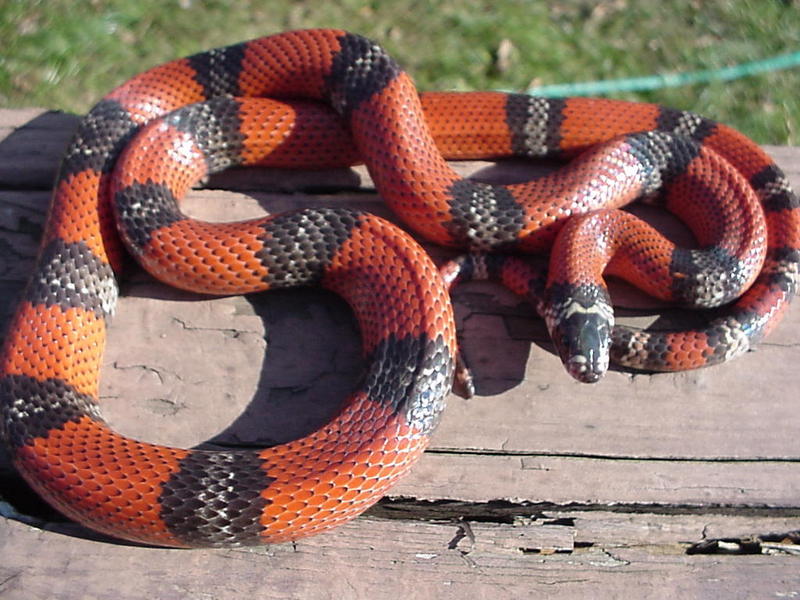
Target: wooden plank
555,419
372,558
601,481
686,415
539,484
31,144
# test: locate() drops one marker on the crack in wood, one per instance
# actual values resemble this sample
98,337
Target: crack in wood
229,331
157,371
464,532
165,406
770,543
610,457
525,535
509,512
10,578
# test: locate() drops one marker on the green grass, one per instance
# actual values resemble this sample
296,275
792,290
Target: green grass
65,54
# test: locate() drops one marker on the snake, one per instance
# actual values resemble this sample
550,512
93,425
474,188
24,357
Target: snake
322,97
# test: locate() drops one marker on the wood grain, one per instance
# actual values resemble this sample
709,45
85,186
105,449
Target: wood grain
538,484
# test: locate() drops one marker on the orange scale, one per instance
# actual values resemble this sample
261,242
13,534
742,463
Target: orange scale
274,512
197,253
342,480
280,475
758,300
302,521
91,488
64,334
327,518
333,501
270,65
267,520
310,513
111,489
165,88
682,356
122,464
113,492
226,258
295,476
314,501
316,447
134,167
103,479
115,466
332,455
125,486
143,487
390,469
287,520
282,499
353,493
81,218
295,506
729,142
292,487
389,446
369,484
69,479
377,456
692,345
581,126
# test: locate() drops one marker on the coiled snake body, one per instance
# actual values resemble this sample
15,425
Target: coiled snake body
730,192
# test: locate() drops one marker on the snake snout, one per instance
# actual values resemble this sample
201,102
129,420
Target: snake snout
585,369
582,340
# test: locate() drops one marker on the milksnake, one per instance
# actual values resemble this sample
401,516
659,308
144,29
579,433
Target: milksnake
141,148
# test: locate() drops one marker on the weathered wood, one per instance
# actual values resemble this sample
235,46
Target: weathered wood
563,556
533,466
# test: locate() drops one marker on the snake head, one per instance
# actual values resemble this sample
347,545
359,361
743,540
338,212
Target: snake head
580,323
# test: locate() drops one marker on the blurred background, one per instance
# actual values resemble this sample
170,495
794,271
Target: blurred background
65,54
